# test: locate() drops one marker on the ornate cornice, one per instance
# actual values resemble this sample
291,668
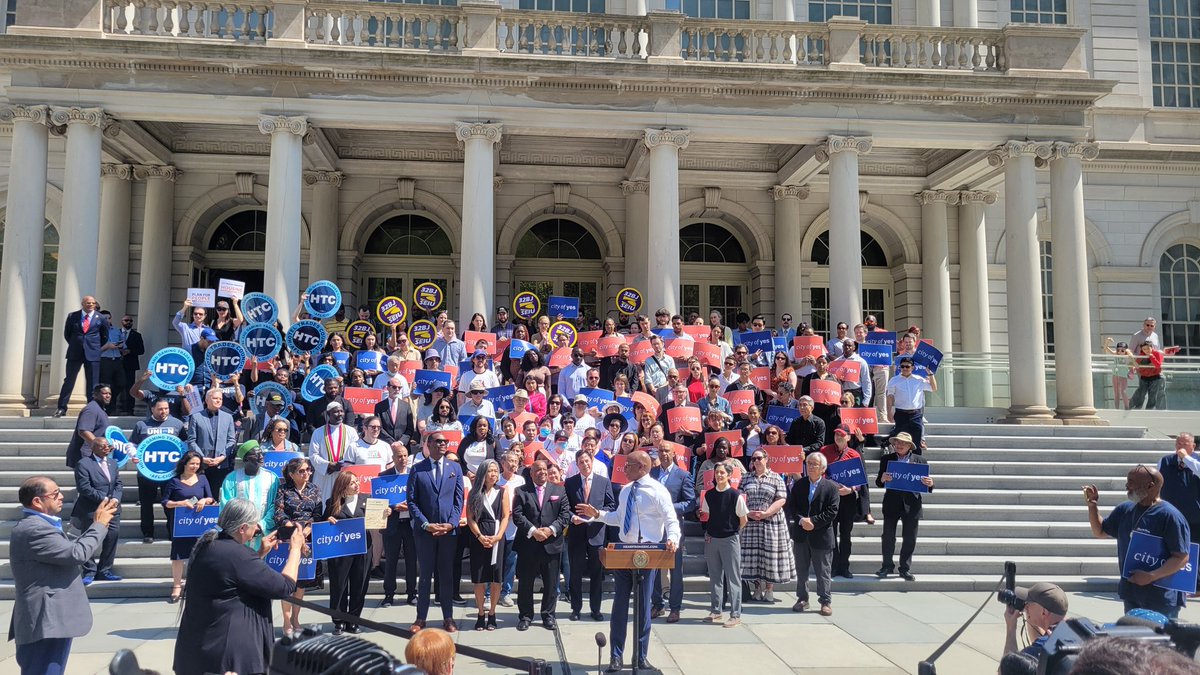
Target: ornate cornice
333,178
859,145
497,183
779,192
976,197
273,124
156,172
465,131
1084,151
676,137
121,171
1036,149
60,116
937,197
629,187
38,114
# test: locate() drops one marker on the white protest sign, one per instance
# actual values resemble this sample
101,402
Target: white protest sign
229,288
202,297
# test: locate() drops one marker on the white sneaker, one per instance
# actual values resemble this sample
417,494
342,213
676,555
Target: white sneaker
506,601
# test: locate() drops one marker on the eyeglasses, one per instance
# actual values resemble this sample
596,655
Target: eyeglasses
57,494
393,386
757,458
786,318
222,309
906,365
374,426
304,470
440,441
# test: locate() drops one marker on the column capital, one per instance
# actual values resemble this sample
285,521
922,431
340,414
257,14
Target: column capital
38,114
120,171
465,131
274,124
497,183
797,192
629,187
937,197
156,172
676,137
859,145
1036,149
62,116
976,197
1082,150
333,178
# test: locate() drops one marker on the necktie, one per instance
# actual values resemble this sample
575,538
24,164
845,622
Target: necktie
541,490
104,469
394,406
630,505
587,488
437,473
87,322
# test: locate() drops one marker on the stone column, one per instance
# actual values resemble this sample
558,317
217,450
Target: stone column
789,290
935,278
476,286
1072,338
845,228
637,233
1027,346
158,230
662,284
21,268
112,281
281,260
929,13
966,13
975,315
323,228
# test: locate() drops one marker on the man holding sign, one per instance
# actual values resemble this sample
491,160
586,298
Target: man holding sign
901,502
1152,542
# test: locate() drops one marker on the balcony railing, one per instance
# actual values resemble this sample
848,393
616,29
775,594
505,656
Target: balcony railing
660,37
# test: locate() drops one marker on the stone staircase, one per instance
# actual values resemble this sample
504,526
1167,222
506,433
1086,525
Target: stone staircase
1003,493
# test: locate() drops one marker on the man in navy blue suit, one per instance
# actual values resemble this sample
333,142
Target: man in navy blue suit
85,331
584,541
682,489
435,502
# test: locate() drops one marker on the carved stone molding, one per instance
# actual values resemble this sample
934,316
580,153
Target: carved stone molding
406,188
465,131
677,137
273,124
937,196
60,116
1084,151
779,192
1037,149
121,171
976,197
712,200
629,187
150,171
562,197
245,184
38,114
497,183
859,145
333,178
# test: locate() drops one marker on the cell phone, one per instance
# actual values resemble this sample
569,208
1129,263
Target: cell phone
285,531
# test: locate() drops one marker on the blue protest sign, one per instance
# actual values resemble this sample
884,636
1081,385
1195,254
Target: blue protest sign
780,344
526,305
930,358
171,367
189,524
907,476
341,361
425,381
313,386
343,538
275,460
258,397
225,359
306,337
259,308
849,472
278,558
629,300
422,334
428,296
261,341
626,404
117,439
597,398
781,417
392,488
467,420
663,333
875,354
323,299
501,397
883,338
758,341
918,369
1148,552
517,348
567,307
157,456
368,361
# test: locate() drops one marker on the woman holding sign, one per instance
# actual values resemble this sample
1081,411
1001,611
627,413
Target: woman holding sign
339,353
347,574
489,509
189,489
370,349
297,504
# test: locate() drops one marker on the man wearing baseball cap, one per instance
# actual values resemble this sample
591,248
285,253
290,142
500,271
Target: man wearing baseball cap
1045,607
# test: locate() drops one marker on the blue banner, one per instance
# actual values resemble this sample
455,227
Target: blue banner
467,420
369,361
849,472
306,337
274,461
392,488
324,299
425,381
663,333
278,558
341,361
261,341
258,398
597,398
781,417
158,455
567,307
189,524
875,354
116,438
907,476
501,397
780,344
336,540
313,386
1148,552
756,341
918,369
517,349
225,359
259,308
171,367
883,338
930,358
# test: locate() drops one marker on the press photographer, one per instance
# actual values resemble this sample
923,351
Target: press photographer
1044,606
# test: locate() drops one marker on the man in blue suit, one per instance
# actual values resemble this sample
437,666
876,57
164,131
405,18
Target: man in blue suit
98,480
435,504
212,433
584,541
683,496
85,331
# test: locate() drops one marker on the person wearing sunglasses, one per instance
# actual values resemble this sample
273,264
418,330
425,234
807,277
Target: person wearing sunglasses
767,558
298,503
435,503
906,401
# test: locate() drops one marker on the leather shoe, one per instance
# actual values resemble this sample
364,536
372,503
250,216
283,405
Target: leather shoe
523,624
826,610
108,576
800,606
907,576
60,413
884,572
387,601
673,617
614,666
645,665
354,630
848,574
597,616
449,626
549,623
417,626
337,630
574,616
657,612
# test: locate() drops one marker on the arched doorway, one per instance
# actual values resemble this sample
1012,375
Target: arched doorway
234,250
558,256
1179,293
713,272
402,252
876,280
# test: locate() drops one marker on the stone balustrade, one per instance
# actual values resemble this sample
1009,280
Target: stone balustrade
245,22
570,34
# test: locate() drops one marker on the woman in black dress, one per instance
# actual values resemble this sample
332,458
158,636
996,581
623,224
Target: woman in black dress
298,502
347,574
488,512
189,489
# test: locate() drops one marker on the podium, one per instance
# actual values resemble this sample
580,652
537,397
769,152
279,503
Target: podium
639,558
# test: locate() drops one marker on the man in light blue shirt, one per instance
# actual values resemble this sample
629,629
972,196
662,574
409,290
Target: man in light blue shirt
189,332
452,350
573,376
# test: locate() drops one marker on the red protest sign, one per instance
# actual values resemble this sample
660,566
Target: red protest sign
686,418
785,459
647,401
474,336
709,481
520,419
454,438
588,341
679,449
698,333
618,476
640,350
736,443
608,345
863,419
362,400
709,355
739,400
501,349
761,378
408,370
846,370
365,473
560,358
807,345
532,450
825,391
679,348
453,370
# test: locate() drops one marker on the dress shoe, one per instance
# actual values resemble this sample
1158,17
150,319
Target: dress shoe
800,606
597,616
460,600
108,576
574,616
657,612
848,574
826,610
337,630
673,617
884,572
907,576
354,630
549,623
88,579
417,626
523,624
645,665
387,601
449,626
147,540
614,666
60,413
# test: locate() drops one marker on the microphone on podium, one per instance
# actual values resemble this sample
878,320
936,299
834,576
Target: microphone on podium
600,642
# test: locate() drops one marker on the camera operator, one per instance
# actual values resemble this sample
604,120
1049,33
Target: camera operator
1045,606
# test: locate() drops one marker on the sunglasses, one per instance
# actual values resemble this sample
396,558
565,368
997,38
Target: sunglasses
374,426
757,459
440,441
304,470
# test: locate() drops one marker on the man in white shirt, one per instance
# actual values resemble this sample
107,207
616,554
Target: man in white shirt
644,513
834,345
479,372
591,446
906,401
329,447
1146,334
573,376
579,412
393,371
862,386
476,405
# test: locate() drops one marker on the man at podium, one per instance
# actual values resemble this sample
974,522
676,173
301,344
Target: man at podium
645,514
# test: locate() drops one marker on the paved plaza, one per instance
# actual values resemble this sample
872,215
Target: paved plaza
869,634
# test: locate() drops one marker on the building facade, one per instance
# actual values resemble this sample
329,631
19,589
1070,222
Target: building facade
1017,177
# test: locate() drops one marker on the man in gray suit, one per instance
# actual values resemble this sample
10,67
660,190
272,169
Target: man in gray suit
211,432
98,480
51,605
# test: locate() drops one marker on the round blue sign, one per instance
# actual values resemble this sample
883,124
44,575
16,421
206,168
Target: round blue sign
323,299
171,367
306,337
225,359
259,308
158,455
258,398
261,341
117,439
313,386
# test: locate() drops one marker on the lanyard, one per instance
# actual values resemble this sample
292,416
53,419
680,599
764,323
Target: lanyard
335,452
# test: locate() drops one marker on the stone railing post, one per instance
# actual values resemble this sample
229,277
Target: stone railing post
666,37
480,35
1038,50
289,23
59,17
845,34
